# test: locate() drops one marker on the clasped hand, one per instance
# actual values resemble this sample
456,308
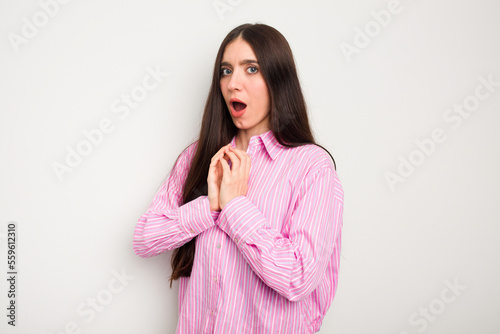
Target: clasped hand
225,183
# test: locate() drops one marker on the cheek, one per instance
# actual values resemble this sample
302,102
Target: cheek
261,93
223,83
223,90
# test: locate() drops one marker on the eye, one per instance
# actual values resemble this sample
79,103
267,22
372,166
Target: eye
252,69
225,71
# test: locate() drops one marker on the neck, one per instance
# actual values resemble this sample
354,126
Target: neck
243,138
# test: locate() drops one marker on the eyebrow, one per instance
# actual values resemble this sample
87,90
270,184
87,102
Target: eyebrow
243,62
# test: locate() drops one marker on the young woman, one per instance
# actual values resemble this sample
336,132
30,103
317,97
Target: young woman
254,207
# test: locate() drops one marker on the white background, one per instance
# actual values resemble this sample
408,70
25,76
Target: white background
400,245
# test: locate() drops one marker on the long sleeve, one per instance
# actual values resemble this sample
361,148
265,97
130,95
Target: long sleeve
166,224
292,262
270,263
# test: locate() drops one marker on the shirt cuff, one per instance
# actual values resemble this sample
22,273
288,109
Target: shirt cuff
240,218
196,217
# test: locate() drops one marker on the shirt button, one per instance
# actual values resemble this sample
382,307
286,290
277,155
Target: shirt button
192,231
235,239
218,245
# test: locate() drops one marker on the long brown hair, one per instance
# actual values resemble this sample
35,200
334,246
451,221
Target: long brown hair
288,117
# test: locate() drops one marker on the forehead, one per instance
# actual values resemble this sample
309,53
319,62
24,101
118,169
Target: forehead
238,49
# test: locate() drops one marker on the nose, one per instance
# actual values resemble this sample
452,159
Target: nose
234,81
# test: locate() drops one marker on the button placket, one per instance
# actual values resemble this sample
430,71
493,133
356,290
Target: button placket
215,274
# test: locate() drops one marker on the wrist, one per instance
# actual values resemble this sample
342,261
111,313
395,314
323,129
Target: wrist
223,204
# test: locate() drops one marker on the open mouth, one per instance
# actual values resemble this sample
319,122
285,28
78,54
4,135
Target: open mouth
238,106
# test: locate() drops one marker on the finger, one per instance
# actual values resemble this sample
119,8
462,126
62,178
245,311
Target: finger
225,166
216,158
213,164
215,169
221,150
234,159
213,173
226,174
242,156
241,153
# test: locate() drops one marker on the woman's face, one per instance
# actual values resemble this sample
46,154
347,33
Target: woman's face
244,88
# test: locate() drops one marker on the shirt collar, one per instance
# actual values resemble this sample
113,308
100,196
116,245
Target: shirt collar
273,147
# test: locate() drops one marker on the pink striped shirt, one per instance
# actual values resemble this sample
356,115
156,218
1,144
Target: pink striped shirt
266,263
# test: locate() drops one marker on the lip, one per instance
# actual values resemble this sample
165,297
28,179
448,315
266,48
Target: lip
233,111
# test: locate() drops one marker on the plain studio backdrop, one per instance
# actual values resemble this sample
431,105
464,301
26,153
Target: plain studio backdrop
98,98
